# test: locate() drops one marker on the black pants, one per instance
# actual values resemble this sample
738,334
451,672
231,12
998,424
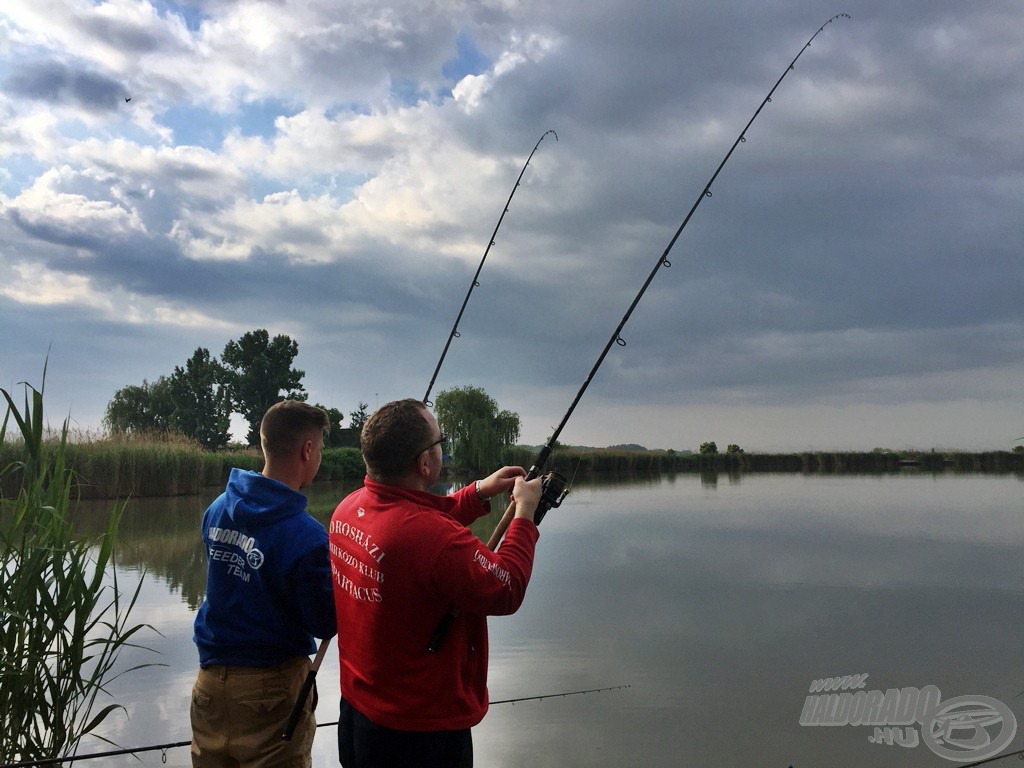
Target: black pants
363,744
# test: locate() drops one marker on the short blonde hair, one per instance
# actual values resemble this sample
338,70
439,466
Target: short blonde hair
288,423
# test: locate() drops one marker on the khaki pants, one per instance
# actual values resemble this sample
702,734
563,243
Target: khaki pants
238,714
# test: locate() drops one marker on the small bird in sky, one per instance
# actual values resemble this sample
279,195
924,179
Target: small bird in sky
127,99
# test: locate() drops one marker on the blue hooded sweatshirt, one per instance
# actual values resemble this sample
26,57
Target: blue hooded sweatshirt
268,583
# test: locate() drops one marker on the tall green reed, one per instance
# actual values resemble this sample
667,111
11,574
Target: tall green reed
64,619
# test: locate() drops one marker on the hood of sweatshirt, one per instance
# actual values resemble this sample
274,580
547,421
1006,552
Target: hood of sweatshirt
254,500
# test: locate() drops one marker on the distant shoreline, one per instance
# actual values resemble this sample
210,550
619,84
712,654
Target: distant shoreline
140,469
612,461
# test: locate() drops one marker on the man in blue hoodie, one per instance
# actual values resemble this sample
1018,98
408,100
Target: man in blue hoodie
268,594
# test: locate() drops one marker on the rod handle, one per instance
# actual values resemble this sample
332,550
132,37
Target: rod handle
307,686
502,526
442,629
300,703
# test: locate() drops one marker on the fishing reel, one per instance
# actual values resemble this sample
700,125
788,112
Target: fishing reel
553,491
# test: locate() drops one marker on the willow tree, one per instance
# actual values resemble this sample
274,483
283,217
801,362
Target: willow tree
477,431
143,409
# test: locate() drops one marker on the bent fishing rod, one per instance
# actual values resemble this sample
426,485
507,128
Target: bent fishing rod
616,338
307,686
475,283
552,499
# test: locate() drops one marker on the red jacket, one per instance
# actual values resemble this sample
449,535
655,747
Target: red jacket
399,559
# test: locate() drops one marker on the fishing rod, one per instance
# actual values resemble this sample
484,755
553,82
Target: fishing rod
296,713
454,334
175,744
1019,753
616,338
307,686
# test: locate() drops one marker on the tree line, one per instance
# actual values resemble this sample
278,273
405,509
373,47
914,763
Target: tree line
197,399
255,371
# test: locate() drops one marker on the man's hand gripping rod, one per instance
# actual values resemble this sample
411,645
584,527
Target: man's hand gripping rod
553,491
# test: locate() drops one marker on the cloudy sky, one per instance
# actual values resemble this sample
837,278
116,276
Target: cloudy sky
332,170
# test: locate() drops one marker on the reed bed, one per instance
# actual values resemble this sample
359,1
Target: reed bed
110,468
64,619
107,468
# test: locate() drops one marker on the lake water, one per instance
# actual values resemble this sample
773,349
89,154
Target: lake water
717,602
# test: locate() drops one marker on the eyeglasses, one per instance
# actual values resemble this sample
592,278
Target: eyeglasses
440,441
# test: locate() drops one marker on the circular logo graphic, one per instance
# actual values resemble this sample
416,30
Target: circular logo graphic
969,728
254,558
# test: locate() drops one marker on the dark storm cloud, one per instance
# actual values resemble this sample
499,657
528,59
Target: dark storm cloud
61,83
124,36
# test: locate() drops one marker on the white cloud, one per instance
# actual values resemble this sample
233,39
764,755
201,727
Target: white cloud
64,215
198,175
34,285
283,223
115,35
860,245
471,90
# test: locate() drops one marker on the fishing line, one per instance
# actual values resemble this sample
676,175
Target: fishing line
475,283
554,498
176,744
662,262
616,339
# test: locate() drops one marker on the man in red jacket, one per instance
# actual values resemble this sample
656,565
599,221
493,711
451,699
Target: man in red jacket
401,557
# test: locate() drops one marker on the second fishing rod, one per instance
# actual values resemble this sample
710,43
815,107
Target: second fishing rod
475,282
296,712
555,483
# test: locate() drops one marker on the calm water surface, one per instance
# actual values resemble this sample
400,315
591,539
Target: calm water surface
716,602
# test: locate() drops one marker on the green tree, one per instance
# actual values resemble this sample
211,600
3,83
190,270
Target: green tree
258,373
477,431
202,408
359,416
141,409
708,448
733,448
334,436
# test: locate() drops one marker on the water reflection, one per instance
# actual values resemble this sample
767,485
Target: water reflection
718,600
